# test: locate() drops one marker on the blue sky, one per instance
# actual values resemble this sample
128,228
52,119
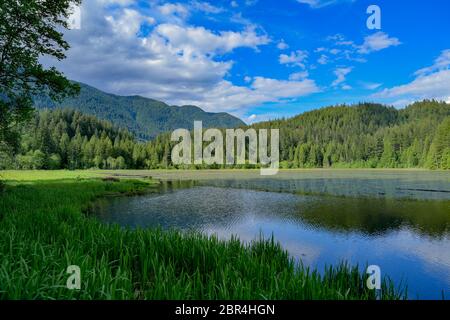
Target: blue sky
262,59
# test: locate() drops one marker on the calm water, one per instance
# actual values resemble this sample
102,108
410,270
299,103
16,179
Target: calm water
397,220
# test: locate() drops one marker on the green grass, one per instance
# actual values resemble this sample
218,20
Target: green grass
45,227
40,175
33,175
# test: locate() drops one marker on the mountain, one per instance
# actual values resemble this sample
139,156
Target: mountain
367,135
360,136
146,118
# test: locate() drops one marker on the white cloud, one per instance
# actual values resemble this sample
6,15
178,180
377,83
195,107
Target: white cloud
177,9
227,97
376,42
441,63
317,4
430,83
128,22
234,4
179,12
122,3
175,63
435,85
252,118
282,45
299,75
323,59
335,51
279,89
199,40
341,74
345,49
205,7
296,58
340,40
371,86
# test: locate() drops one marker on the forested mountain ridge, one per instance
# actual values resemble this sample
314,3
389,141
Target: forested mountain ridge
366,135
146,118
360,136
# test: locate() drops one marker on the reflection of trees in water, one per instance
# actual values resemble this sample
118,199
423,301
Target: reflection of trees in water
172,185
366,215
379,216
357,212
394,188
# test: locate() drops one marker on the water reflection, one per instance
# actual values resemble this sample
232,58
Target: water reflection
369,215
408,239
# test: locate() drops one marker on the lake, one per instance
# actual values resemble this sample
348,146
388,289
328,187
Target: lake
398,220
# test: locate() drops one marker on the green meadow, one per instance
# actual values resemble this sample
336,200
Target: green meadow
46,225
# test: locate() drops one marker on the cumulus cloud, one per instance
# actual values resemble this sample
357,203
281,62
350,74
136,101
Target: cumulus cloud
295,58
199,40
129,22
430,83
435,85
376,42
282,45
341,74
206,7
299,75
117,2
228,97
172,61
323,59
278,89
174,10
179,12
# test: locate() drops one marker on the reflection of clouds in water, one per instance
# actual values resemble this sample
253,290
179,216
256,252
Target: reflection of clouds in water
307,253
309,230
435,254
251,229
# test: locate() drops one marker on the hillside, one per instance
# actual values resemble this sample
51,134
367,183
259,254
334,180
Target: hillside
360,136
146,118
367,135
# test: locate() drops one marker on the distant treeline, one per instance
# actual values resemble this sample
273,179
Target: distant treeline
367,136
360,136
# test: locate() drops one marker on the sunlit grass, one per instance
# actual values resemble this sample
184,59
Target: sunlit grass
45,227
33,175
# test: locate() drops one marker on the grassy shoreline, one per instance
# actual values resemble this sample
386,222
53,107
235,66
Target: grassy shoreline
40,175
44,228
